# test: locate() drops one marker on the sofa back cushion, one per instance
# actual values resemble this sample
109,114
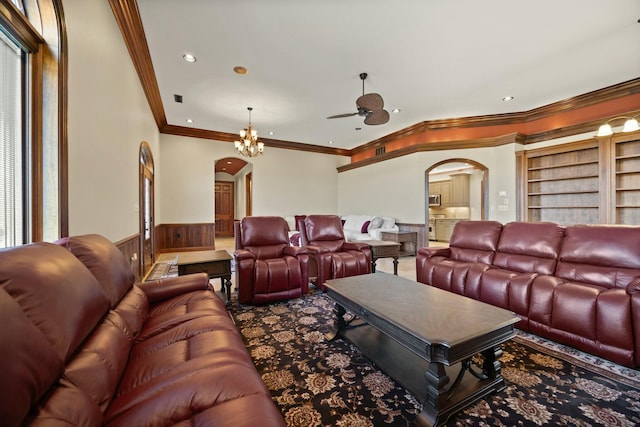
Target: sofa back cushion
475,241
324,231
356,222
603,255
59,277
529,247
105,261
265,236
30,364
50,302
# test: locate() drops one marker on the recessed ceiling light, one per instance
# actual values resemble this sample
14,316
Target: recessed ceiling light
507,98
228,162
270,132
395,110
188,57
330,142
240,70
189,120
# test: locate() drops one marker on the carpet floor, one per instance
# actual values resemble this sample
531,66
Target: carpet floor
319,383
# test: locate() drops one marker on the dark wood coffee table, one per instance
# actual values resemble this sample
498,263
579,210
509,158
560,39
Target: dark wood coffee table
424,338
216,263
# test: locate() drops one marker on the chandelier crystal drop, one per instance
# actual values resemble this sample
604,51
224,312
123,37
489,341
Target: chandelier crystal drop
248,145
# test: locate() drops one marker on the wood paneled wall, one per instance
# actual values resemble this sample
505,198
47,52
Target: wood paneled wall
130,248
185,237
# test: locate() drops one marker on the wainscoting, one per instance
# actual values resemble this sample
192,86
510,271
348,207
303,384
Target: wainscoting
185,237
130,247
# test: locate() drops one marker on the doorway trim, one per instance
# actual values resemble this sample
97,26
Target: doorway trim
484,187
146,172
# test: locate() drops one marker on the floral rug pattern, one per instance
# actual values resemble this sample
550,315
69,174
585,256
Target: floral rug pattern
319,383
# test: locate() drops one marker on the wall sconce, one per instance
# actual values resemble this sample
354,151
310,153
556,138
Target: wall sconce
630,125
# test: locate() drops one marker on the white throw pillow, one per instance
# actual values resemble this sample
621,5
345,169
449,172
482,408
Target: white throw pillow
375,223
388,222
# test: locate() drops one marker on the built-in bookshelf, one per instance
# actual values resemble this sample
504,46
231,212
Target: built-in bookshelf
596,181
626,158
563,184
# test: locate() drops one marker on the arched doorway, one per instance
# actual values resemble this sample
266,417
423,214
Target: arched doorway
462,187
146,203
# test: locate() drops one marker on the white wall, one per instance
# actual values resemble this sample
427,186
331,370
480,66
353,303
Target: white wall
285,182
108,119
396,187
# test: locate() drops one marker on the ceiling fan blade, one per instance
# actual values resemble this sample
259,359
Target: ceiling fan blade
370,101
379,117
339,116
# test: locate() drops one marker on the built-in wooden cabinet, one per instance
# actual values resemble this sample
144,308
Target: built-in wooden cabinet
453,192
587,182
626,158
459,190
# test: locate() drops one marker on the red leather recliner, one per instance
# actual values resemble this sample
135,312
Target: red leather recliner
267,268
332,257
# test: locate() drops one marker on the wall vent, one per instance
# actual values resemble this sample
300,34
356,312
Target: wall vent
381,150
177,98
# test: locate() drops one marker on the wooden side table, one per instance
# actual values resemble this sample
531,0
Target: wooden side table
407,239
217,265
382,249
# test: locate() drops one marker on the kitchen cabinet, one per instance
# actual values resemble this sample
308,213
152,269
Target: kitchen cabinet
459,191
444,228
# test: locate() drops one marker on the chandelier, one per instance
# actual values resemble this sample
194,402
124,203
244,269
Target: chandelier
248,145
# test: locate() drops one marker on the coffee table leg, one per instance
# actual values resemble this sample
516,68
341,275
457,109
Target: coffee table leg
373,265
437,380
395,265
338,322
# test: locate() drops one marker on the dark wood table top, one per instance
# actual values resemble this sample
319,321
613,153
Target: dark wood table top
198,257
420,312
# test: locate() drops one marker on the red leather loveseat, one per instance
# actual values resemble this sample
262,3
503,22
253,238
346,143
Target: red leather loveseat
82,345
578,285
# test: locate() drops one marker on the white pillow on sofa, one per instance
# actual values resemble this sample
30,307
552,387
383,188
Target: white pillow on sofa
375,223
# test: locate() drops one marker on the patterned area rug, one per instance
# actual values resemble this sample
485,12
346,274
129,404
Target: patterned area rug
320,383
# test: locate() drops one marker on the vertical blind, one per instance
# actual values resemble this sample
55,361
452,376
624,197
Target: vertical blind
11,156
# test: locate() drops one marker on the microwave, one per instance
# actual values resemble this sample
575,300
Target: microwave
434,199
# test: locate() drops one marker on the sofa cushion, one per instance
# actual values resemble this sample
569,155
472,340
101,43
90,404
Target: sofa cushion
602,255
60,277
29,365
355,222
531,247
375,223
475,241
105,262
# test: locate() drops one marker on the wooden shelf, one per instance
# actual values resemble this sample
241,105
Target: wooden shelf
562,207
558,193
568,178
568,165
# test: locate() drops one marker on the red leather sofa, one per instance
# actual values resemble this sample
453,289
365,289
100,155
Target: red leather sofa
578,285
81,344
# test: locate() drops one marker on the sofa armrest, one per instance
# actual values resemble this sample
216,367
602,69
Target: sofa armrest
295,251
161,289
241,254
431,252
355,246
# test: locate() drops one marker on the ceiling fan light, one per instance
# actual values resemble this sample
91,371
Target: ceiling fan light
631,125
605,130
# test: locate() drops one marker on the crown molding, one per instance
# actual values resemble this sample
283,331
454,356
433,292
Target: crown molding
269,143
435,146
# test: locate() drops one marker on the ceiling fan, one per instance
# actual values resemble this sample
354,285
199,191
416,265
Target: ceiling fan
369,107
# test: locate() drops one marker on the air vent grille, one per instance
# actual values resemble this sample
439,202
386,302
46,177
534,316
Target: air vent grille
381,150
